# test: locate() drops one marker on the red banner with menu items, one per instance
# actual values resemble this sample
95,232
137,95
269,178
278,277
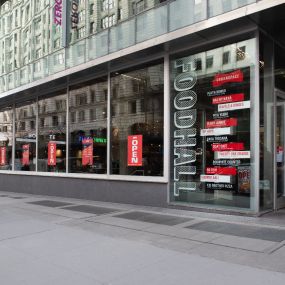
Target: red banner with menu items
221,171
3,158
223,78
135,145
231,122
227,146
52,154
26,154
87,152
228,98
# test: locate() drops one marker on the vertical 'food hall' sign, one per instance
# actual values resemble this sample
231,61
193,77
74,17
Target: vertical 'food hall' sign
185,116
210,126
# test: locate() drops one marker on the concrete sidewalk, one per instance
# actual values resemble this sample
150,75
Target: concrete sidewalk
51,240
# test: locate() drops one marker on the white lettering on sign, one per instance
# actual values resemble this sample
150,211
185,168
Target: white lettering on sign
185,117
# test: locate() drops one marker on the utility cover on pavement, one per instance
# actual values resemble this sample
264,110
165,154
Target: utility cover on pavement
91,209
50,203
262,233
154,218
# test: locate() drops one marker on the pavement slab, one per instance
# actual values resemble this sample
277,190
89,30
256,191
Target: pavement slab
54,245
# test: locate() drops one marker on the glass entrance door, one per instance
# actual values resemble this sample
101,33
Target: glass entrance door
279,150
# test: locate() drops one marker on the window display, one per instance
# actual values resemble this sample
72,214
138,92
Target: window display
88,127
25,136
52,133
137,122
211,127
6,138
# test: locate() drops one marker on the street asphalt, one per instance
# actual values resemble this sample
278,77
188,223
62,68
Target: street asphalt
56,241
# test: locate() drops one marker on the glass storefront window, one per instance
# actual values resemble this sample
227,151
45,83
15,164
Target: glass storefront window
210,129
137,122
6,138
52,133
25,137
88,127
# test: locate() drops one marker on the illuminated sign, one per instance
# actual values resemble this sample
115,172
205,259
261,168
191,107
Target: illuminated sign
95,139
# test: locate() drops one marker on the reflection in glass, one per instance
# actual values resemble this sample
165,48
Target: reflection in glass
6,138
88,127
137,109
25,137
52,134
210,130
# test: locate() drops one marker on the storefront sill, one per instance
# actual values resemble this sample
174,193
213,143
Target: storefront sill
216,210
90,176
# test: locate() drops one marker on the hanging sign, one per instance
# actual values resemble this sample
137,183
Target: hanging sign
228,98
234,106
135,144
216,178
87,152
231,122
216,132
223,78
26,154
221,170
3,158
52,154
232,154
227,146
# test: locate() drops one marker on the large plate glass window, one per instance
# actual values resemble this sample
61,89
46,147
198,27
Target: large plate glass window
6,138
88,127
137,121
25,136
210,126
52,133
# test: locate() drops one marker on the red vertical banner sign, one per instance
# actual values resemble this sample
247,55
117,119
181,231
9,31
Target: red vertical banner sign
87,152
135,145
52,154
3,158
26,154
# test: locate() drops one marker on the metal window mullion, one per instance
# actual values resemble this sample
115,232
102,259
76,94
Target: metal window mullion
109,124
67,130
37,132
166,121
255,130
13,137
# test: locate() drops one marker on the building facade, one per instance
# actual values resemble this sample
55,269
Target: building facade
162,103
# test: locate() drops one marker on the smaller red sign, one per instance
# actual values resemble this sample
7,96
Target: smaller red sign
52,154
135,144
231,122
221,170
3,158
87,152
26,154
227,146
223,78
228,98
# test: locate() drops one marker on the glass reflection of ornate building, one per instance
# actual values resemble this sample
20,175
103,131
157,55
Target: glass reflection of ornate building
152,102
